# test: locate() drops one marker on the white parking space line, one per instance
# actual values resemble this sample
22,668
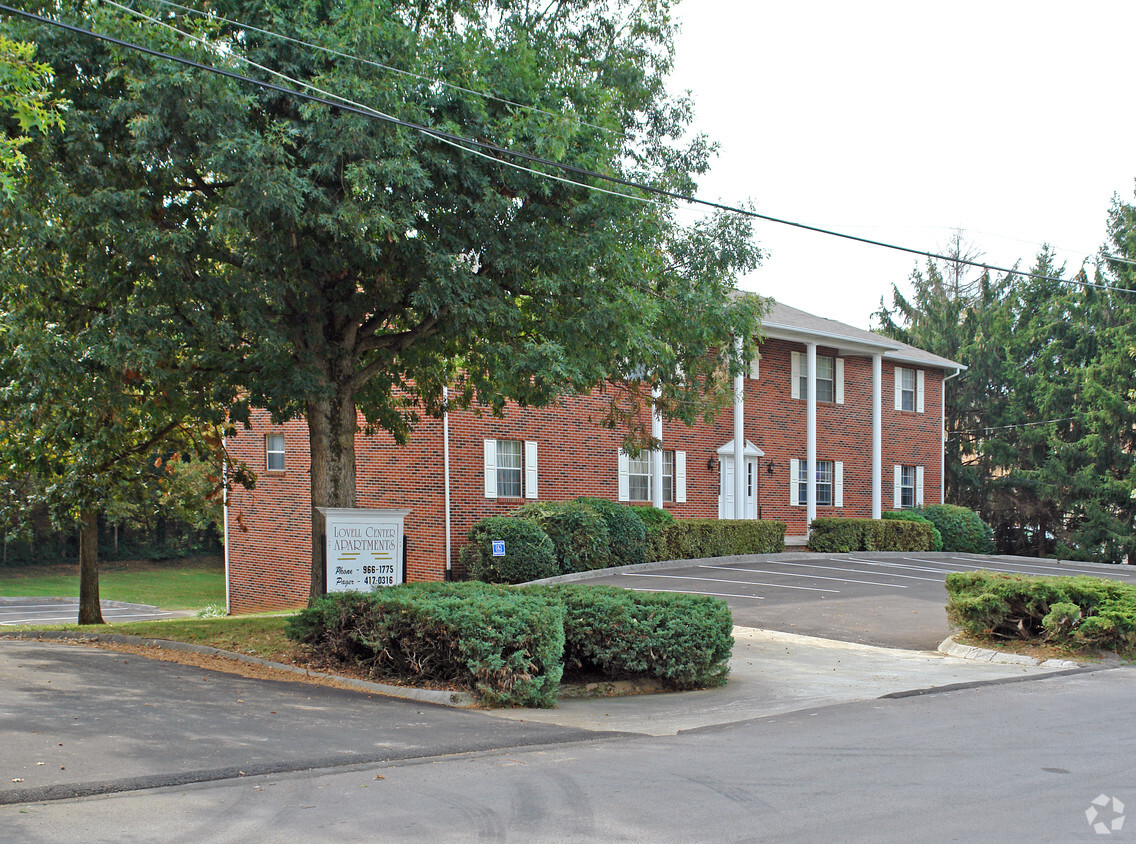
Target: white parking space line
857,571
1024,568
738,582
887,565
807,576
696,592
1065,569
37,606
69,617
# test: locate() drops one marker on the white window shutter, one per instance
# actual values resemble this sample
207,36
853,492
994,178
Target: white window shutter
918,486
680,477
897,490
839,377
755,367
794,478
530,469
898,388
624,470
919,390
491,468
838,484
795,374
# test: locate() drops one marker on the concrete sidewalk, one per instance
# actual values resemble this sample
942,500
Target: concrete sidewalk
773,673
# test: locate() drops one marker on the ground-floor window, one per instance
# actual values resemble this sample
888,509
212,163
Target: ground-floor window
824,480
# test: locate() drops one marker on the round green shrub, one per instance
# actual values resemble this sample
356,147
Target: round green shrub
529,553
917,516
961,529
627,533
578,533
653,518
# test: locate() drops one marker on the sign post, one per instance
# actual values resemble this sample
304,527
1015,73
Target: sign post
364,548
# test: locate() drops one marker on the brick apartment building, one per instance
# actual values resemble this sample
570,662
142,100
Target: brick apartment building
865,411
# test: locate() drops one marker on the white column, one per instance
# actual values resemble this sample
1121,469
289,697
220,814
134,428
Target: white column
657,454
739,441
811,433
877,435
446,472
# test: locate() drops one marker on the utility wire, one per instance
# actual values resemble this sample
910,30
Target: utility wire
371,111
380,65
568,168
1013,427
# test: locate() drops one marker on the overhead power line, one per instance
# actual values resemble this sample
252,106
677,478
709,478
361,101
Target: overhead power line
1013,427
380,65
467,143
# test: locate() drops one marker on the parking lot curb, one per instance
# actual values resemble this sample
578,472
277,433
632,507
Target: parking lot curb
956,649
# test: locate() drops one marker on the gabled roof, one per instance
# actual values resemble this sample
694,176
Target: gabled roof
785,323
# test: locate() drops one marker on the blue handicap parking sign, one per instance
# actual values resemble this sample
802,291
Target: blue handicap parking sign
498,547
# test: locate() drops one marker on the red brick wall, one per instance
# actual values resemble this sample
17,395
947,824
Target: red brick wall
269,528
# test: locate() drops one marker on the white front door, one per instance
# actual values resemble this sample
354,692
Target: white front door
726,508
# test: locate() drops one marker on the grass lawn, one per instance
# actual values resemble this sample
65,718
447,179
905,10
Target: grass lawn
187,584
257,635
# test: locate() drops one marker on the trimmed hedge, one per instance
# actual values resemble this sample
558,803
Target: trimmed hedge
653,518
529,553
962,529
626,531
1073,611
917,516
505,647
835,535
688,539
578,533
684,641
509,646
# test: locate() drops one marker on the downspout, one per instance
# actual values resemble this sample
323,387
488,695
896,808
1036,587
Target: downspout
877,436
943,443
811,435
225,519
446,475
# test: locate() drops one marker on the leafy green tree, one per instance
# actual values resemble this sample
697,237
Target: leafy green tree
361,265
27,105
1042,423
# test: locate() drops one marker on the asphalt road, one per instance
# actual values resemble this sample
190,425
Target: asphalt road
78,720
17,611
892,600
1016,762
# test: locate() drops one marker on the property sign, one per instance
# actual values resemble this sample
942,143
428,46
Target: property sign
498,547
363,548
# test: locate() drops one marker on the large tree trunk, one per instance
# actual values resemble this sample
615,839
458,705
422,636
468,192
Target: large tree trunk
331,439
90,611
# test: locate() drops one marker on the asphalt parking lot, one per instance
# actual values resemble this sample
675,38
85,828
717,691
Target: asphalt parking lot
888,599
18,611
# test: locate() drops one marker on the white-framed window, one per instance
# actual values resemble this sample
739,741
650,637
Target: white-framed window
909,389
639,477
635,476
510,469
830,378
824,478
274,452
908,488
829,483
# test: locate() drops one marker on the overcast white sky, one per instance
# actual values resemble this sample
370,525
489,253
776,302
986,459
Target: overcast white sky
902,121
